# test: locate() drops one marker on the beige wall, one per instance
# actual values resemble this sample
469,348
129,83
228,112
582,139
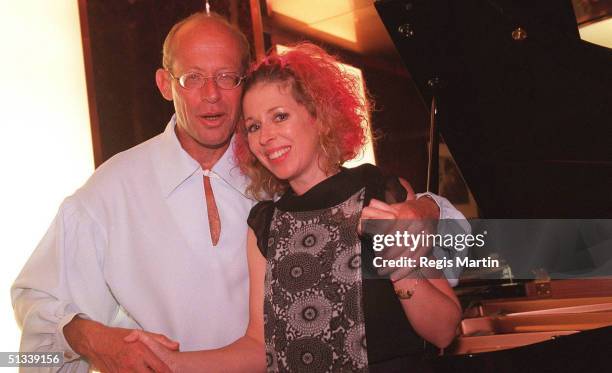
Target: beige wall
45,141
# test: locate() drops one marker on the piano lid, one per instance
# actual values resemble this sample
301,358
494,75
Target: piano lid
524,105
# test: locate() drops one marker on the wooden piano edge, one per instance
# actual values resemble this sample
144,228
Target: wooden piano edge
486,343
515,335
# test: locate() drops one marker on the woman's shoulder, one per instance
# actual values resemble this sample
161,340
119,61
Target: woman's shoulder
259,221
260,213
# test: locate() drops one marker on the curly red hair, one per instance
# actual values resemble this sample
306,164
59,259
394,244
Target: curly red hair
328,92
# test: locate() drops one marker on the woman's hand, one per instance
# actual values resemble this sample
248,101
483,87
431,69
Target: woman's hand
163,347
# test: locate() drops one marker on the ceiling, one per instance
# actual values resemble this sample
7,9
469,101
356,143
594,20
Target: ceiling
351,24
355,25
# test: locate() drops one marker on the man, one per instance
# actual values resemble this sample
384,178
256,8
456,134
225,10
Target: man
156,238
151,241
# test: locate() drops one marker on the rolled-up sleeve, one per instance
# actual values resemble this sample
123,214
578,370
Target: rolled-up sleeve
65,270
451,222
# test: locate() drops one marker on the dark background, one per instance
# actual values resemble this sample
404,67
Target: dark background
123,41
527,121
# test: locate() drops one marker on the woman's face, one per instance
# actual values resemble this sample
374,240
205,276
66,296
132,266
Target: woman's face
283,135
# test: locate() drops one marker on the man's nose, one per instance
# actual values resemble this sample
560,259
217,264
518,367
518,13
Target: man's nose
209,91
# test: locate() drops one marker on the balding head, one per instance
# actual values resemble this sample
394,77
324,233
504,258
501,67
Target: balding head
204,19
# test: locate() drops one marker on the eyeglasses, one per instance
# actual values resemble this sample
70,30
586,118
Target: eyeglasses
195,80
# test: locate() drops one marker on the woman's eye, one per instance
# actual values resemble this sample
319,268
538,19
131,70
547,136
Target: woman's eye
280,117
252,127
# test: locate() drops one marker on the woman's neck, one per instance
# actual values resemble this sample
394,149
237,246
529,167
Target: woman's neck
304,184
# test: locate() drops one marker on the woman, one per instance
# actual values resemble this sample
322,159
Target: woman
302,119
311,307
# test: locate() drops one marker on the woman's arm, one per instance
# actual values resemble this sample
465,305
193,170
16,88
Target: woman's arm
246,354
433,309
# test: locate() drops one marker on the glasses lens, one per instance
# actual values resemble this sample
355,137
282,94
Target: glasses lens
195,80
192,80
227,80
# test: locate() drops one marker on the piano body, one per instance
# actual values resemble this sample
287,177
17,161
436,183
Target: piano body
525,107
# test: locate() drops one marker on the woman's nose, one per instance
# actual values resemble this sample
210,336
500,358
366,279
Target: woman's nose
266,134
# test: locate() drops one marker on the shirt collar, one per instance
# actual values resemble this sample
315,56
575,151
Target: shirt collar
228,171
174,165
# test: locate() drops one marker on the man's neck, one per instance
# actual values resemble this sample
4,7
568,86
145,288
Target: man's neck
207,157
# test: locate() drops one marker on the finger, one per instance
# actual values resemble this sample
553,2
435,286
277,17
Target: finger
423,251
410,226
376,225
150,363
373,213
409,251
412,261
154,346
380,205
132,337
146,339
374,221
410,195
396,273
401,272
395,252
167,342
156,364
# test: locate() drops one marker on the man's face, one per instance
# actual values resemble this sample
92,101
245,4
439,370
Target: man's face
206,117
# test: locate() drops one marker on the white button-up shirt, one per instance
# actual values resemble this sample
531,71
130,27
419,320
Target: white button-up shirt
132,248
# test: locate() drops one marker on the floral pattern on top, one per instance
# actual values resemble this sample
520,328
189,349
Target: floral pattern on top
313,316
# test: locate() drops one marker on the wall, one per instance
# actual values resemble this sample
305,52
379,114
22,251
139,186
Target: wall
45,147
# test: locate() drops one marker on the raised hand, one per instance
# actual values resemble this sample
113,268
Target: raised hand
413,217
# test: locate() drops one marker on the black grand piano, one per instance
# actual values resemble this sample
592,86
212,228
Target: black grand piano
525,107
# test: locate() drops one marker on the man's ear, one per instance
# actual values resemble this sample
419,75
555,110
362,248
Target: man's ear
164,83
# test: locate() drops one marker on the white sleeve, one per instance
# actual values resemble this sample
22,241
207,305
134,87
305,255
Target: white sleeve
452,222
61,279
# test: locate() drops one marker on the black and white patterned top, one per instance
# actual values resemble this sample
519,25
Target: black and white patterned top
321,313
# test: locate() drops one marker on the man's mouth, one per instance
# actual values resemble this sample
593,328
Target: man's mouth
211,116
279,153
